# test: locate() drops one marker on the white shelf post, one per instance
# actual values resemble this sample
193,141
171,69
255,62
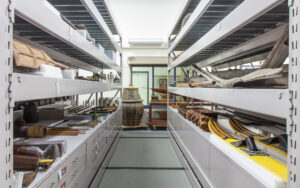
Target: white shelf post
6,124
293,118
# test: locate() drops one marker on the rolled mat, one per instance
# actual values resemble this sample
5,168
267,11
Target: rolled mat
36,132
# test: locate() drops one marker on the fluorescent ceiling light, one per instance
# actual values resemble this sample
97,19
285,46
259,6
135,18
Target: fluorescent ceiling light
146,41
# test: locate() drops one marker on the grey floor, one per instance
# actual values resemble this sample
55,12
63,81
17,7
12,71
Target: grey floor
145,159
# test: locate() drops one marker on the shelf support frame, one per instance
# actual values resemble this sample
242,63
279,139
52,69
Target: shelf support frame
293,118
6,111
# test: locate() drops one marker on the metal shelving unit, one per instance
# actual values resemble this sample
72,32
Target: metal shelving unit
247,28
188,9
45,27
214,162
245,31
103,9
243,23
271,102
205,16
36,23
260,45
96,142
85,12
29,87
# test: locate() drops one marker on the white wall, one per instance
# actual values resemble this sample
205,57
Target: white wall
137,52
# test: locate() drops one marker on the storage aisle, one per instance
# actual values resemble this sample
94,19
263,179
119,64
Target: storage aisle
145,159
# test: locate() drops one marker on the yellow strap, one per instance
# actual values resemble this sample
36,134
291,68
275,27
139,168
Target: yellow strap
46,161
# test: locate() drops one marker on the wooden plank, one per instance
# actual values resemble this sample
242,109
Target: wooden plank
158,124
142,125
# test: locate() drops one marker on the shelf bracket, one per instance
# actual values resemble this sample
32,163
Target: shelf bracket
11,11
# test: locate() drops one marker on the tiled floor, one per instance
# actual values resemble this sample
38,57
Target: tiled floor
145,159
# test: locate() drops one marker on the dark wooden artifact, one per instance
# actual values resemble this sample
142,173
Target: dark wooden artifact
199,116
31,114
22,162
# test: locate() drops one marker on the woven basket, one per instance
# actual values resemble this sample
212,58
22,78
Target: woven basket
132,107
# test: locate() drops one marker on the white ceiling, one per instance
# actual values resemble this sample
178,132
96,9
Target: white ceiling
145,18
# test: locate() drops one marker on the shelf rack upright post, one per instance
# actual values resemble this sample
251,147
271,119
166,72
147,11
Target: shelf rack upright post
6,130
293,119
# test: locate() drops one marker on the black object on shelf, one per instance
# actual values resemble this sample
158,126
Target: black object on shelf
30,114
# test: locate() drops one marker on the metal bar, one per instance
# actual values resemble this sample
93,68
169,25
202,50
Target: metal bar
116,94
270,102
174,97
77,100
152,79
88,101
31,87
168,81
185,73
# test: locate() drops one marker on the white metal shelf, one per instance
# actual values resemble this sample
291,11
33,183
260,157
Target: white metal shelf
255,45
210,158
201,7
85,12
194,144
245,13
272,102
204,17
104,10
45,19
189,8
92,8
31,87
59,56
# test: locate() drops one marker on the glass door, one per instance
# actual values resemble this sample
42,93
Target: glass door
140,79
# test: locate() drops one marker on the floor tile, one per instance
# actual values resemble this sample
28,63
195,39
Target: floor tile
128,178
145,152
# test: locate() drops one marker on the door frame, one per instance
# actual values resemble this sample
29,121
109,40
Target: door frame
153,73
145,106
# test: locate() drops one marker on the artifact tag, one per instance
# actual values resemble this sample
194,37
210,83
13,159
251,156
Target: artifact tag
63,185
